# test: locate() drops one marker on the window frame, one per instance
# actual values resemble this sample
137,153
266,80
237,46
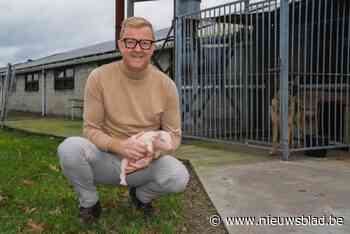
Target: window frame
30,83
63,81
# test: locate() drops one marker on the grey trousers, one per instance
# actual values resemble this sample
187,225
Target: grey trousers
85,166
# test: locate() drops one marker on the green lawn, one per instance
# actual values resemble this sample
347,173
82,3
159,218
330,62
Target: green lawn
36,197
56,126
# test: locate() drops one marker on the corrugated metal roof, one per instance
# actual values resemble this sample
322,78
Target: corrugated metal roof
100,48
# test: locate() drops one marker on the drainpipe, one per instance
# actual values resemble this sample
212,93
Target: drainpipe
43,93
119,17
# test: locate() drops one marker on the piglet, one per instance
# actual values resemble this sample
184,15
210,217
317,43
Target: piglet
165,144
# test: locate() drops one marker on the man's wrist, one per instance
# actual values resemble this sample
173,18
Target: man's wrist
115,146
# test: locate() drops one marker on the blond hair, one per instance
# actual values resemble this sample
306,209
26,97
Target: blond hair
135,22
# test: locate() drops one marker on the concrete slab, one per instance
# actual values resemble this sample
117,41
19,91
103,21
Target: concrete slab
274,192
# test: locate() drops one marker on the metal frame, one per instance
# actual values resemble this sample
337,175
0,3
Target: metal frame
232,60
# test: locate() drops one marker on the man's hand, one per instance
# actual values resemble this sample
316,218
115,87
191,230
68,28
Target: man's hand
133,149
135,166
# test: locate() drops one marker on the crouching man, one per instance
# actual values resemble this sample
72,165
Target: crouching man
122,100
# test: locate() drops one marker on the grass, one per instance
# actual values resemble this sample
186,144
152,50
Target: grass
36,197
58,126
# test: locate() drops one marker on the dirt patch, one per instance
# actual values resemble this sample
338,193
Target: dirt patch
198,208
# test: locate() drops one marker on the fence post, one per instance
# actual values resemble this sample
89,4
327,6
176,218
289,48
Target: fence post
284,47
5,95
178,54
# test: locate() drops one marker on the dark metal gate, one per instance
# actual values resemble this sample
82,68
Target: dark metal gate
229,73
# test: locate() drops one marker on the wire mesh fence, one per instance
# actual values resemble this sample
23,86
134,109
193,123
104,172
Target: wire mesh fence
229,73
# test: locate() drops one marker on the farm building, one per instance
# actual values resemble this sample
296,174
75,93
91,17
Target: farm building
52,84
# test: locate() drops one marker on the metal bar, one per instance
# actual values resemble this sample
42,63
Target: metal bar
178,56
255,83
348,83
215,76
249,78
312,103
211,76
191,77
299,98
342,48
318,126
185,75
230,75
305,71
330,70
263,82
265,105
269,74
276,67
207,72
292,85
225,127
284,46
238,124
196,73
241,78
324,71
220,78
200,75
336,44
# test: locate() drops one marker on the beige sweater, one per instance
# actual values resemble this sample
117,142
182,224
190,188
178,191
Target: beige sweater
119,103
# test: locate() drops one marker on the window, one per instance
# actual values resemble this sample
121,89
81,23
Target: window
32,82
64,79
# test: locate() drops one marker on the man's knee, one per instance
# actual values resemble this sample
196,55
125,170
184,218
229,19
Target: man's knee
176,178
70,152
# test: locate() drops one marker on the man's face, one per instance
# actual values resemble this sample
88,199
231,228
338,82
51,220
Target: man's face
136,59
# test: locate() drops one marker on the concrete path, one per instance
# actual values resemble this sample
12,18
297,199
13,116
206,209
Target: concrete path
252,187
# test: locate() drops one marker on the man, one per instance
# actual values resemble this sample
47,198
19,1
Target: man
122,100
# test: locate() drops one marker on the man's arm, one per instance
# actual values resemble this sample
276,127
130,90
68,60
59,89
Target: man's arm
94,112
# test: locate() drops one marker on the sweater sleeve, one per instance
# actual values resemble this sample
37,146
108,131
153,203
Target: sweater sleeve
94,111
171,119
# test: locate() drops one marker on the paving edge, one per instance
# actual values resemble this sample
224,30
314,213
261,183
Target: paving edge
32,132
189,164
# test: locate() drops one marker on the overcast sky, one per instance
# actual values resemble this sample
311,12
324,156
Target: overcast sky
36,28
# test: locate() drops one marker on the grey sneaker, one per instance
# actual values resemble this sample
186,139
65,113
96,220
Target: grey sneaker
90,214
